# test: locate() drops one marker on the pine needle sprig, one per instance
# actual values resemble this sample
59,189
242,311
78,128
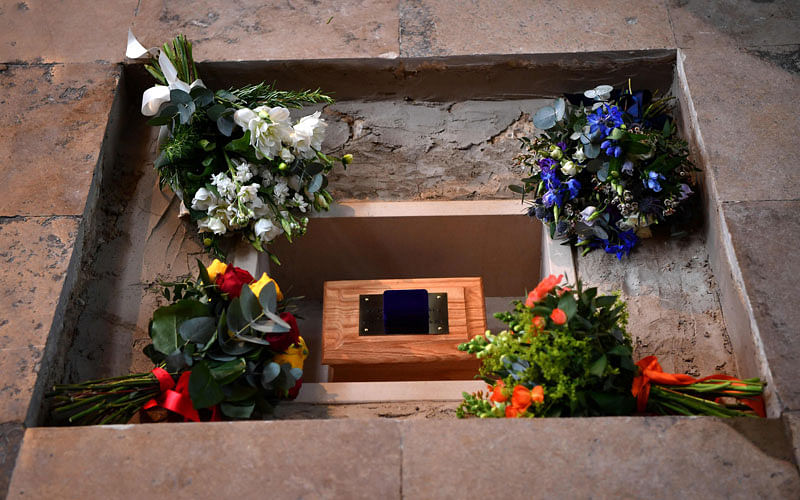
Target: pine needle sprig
265,94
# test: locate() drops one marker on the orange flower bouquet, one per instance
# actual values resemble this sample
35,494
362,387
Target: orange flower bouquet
566,353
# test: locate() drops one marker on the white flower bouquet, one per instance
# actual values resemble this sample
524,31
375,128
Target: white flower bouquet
233,156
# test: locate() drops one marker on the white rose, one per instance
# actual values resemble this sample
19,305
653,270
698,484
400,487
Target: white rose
204,200
579,155
212,224
569,168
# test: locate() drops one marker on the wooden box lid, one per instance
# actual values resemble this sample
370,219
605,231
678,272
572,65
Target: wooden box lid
342,345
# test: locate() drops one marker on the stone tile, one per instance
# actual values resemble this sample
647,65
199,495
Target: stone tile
19,369
787,57
35,253
792,422
52,122
672,299
768,271
46,31
301,459
10,440
663,457
439,27
746,112
755,23
253,30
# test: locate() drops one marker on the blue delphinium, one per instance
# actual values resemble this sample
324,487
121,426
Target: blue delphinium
611,148
652,180
627,240
605,119
573,186
562,145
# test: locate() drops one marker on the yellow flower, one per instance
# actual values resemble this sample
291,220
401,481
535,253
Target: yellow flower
295,355
216,268
261,283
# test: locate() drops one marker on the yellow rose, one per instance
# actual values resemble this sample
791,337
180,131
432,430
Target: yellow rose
295,355
216,268
261,283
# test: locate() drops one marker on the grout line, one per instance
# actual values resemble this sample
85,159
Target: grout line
671,24
776,200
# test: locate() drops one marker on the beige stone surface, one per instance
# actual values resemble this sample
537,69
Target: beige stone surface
35,252
673,303
245,459
753,23
444,27
792,422
746,110
659,457
773,292
249,30
52,122
64,30
10,440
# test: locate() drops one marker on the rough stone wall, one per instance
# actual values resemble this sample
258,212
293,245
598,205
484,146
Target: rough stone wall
412,150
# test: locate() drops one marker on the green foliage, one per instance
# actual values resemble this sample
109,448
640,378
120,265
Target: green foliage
589,354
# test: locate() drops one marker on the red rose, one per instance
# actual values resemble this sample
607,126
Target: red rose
279,342
233,279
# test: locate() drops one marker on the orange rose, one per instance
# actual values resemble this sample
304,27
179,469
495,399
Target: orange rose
542,289
564,290
537,394
520,401
497,392
538,323
558,316
513,412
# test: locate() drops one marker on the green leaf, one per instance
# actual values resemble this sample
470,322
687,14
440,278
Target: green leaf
204,277
667,130
616,134
599,366
161,120
239,392
517,189
270,373
568,304
249,304
178,96
240,145
166,320
620,350
236,319
605,301
202,96
268,297
198,330
215,111
203,389
637,148
224,94
229,371
237,411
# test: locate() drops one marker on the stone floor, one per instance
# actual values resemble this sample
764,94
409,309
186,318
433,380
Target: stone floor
739,84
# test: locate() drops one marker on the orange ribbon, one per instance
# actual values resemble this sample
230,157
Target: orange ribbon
651,371
177,400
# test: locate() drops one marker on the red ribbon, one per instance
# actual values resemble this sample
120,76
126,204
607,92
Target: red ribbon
651,371
177,400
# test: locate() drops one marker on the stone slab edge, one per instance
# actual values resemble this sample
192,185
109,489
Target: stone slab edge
734,297
66,309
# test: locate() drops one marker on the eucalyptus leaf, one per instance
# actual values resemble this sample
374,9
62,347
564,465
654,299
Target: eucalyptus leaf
215,111
560,105
175,361
252,340
235,317
267,327
270,373
249,304
545,118
202,96
198,330
591,150
225,125
178,96
315,184
602,174
237,411
296,373
268,297
278,320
